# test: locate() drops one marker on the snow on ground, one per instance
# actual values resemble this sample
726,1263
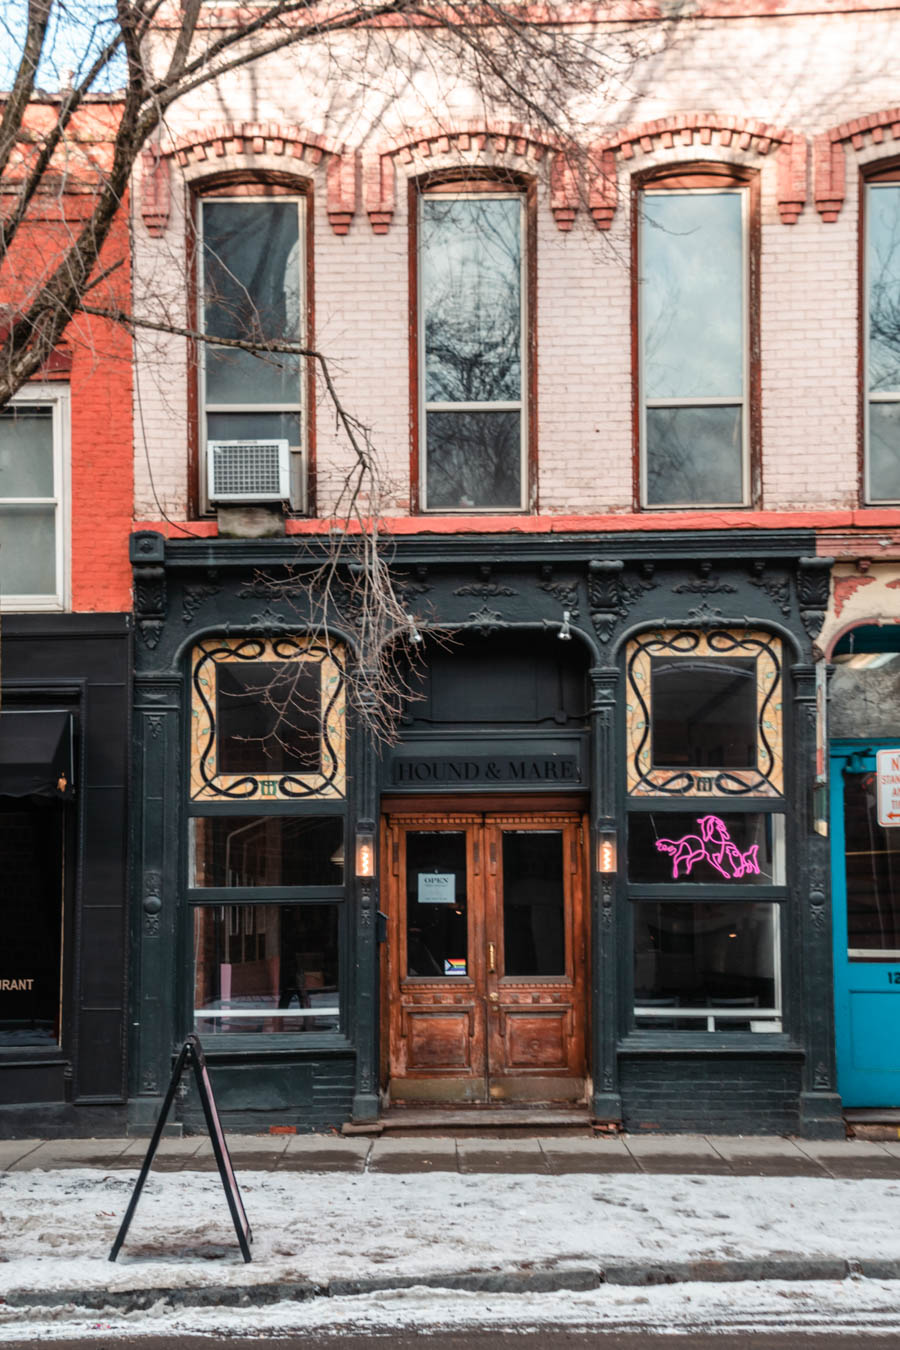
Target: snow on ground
864,1307
56,1228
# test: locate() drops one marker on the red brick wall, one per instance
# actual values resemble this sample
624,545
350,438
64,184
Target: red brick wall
95,359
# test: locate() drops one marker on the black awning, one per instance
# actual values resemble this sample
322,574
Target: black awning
36,753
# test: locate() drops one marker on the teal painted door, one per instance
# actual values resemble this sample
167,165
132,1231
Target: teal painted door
865,885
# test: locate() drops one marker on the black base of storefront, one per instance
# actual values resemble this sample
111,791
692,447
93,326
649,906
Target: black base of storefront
53,1120
79,664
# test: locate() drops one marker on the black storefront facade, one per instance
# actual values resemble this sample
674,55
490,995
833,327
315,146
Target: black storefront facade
64,788
586,872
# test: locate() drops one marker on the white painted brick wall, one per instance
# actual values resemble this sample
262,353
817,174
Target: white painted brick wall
808,73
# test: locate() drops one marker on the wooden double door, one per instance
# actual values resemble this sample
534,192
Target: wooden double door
485,964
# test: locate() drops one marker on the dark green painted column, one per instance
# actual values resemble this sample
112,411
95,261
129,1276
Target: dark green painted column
157,766
607,1102
820,1105
366,1103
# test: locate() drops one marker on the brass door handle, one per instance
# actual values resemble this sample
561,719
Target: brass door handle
494,998
492,959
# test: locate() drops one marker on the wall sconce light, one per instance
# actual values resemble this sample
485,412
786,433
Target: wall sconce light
565,632
607,860
415,636
365,848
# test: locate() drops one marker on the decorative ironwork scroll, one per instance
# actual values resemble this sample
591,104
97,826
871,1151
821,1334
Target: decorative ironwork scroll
207,783
646,779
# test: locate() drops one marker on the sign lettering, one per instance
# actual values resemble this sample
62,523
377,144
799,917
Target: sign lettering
478,769
16,986
437,888
887,776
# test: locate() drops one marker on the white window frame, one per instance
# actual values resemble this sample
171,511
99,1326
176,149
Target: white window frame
871,396
58,397
727,401
297,453
519,405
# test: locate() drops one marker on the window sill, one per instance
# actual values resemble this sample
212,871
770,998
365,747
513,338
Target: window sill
273,1044
647,508
746,1043
24,1056
13,604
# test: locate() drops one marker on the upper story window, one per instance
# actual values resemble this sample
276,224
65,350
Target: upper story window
694,340
472,347
251,288
882,328
34,514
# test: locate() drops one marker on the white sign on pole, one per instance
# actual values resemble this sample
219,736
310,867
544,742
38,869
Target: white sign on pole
887,773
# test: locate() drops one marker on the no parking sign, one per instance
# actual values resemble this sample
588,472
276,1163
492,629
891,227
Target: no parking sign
887,774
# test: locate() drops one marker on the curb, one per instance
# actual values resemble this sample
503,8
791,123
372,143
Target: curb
570,1279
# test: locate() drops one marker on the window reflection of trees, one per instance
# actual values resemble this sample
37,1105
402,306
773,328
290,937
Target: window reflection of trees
884,289
692,345
251,293
472,284
471,259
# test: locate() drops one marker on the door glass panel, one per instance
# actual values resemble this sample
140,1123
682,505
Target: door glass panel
437,941
534,925
873,870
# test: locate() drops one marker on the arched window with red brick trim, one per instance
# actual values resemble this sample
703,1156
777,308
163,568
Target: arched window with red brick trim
251,284
881,329
696,373
473,341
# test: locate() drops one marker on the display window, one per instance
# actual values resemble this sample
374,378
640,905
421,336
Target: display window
31,954
266,879
707,966
707,834
266,968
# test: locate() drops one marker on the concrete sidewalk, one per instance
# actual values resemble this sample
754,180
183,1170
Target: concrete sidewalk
336,1219
742,1155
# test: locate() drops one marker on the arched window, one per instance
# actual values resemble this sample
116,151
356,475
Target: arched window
881,328
251,287
695,238
472,356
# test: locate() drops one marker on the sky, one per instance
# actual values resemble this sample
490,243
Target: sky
77,31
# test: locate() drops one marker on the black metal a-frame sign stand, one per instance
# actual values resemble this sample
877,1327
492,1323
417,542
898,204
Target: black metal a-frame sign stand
192,1053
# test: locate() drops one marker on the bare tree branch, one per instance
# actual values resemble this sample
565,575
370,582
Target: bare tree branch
23,88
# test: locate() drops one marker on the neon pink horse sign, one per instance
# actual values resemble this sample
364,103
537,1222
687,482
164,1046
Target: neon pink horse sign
713,845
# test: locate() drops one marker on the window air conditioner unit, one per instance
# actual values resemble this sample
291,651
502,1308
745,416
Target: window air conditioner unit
248,471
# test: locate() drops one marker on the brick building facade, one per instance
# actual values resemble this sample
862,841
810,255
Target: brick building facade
65,598
628,376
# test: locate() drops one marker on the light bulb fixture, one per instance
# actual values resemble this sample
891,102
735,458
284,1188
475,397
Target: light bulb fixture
365,848
607,860
415,636
565,632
